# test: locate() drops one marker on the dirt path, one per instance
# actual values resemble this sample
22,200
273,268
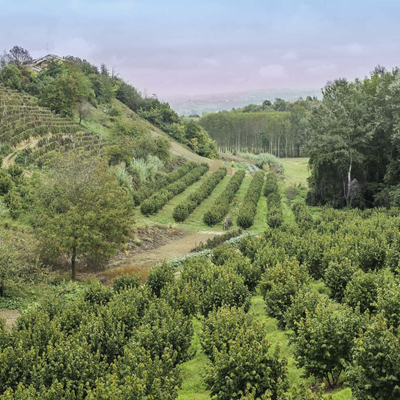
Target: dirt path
10,159
141,262
10,316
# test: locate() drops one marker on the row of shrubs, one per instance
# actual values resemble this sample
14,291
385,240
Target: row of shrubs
182,211
161,181
271,190
157,201
249,208
302,215
352,312
221,205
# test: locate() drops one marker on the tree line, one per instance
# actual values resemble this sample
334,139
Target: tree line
354,142
279,128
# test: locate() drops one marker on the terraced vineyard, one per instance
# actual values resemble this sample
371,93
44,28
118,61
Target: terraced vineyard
31,135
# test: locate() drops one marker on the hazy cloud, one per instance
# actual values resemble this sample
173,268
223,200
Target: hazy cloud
273,71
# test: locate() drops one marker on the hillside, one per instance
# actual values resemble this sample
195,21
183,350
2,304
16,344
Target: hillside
30,131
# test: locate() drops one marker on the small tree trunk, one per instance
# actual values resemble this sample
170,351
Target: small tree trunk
1,288
73,263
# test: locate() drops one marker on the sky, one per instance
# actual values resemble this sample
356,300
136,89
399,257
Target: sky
186,47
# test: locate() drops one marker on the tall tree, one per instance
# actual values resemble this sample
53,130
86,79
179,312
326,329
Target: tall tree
81,210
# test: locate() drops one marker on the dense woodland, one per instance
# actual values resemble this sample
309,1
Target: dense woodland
354,142
279,128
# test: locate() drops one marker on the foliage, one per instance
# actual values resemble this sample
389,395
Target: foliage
337,276
80,210
222,203
324,341
249,208
362,289
353,142
279,284
160,277
182,211
126,282
246,362
374,371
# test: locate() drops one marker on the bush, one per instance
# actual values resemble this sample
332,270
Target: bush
275,217
337,276
362,290
280,284
324,341
304,303
249,208
159,277
221,327
244,363
302,215
375,369
221,205
126,282
157,201
97,294
271,184
182,211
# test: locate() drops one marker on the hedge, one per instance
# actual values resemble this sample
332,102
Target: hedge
183,210
249,208
157,201
221,205
162,181
271,190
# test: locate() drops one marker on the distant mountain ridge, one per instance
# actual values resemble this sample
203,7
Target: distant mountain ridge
187,105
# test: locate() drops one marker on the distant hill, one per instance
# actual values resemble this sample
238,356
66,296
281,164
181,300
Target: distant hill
188,105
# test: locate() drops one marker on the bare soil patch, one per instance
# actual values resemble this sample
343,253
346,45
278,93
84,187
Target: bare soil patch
10,316
140,262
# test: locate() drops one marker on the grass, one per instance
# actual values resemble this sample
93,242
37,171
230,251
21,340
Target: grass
296,171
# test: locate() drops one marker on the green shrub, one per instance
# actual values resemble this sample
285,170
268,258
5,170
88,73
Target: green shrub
280,284
97,294
374,372
304,303
182,211
324,341
159,277
126,282
244,363
337,276
271,184
248,211
221,206
362,289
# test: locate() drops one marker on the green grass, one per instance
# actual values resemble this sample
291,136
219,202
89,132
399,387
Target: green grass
296,170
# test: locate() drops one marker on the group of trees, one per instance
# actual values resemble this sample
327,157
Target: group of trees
71,86
354,146
279,129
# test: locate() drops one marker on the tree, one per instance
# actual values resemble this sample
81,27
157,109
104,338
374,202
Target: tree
81,210
324,341
17,258
375,370
246,362
84,111
17,55
11,76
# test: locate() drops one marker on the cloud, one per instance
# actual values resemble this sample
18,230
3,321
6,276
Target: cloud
210,62
290,55
322,69
273,71
354,49
77,47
